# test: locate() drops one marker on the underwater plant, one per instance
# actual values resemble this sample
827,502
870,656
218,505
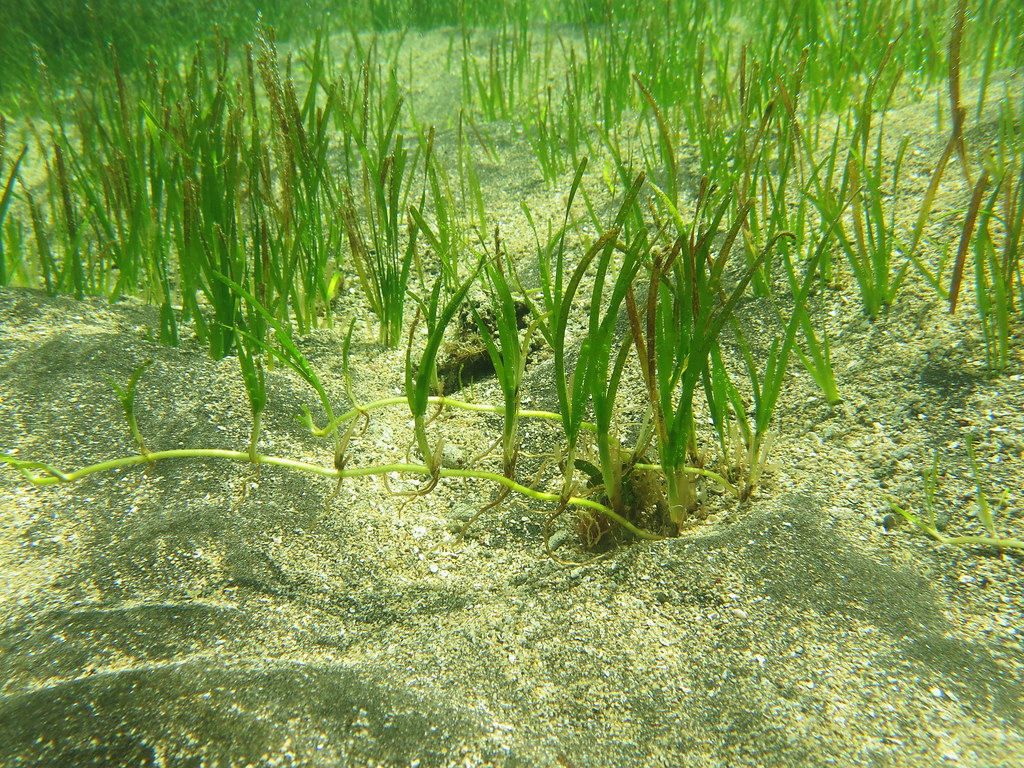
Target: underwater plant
985,511
242,194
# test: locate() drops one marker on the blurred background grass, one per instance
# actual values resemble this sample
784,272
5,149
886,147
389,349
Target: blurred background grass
72,37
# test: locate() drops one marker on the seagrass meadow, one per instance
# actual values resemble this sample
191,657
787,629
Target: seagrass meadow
523,383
